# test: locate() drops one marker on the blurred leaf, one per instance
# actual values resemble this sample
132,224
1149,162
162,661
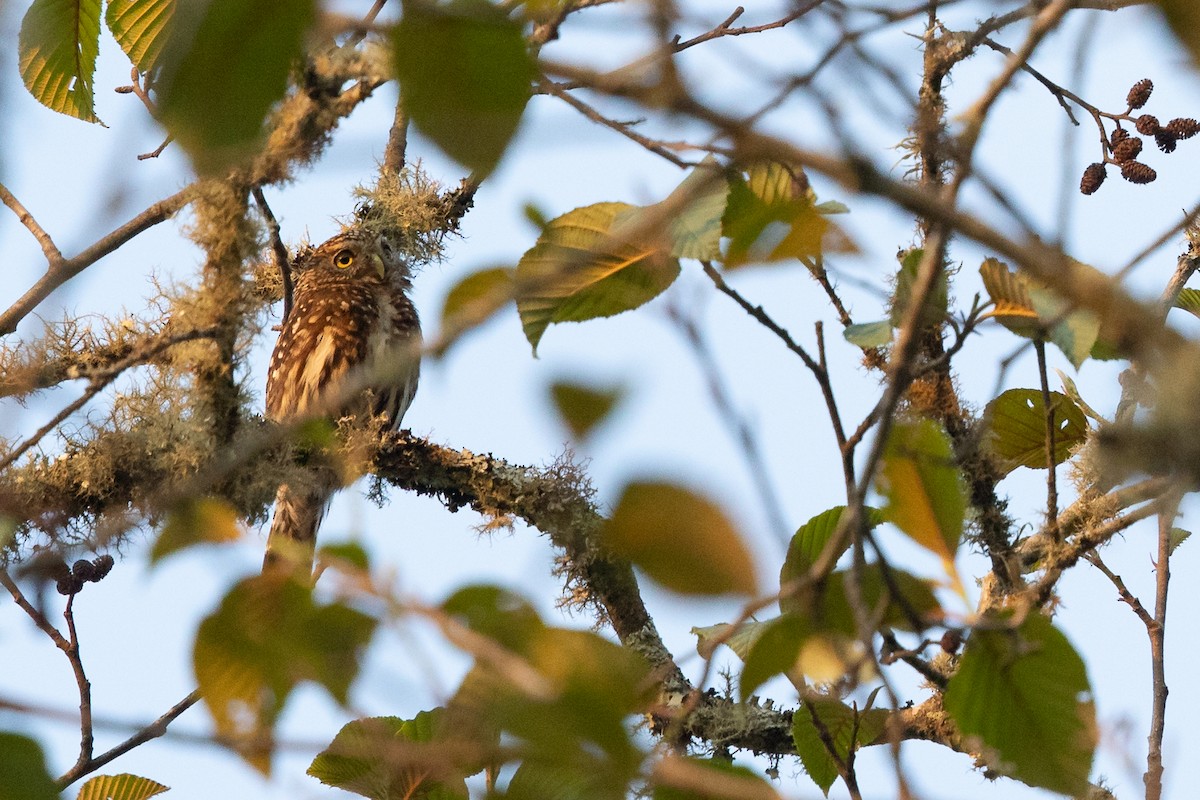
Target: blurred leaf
1072,392
1016,423
774,652
141,29
924,488
1184,18
473,301
1178,537
937,302
682,540
697,204
466,76
1028,309
497,613
387,757
1073,332
581,407
584,266
869,334
204,520
1189,301
1024,694
266,637
120,787
771,215
823,720
811,538
708,779
578,777
828,608
227,63
57,48
708,638
25,775
351,554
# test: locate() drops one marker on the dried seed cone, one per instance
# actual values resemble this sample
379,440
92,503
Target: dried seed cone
1137,172
1127,149
1118,135
1184,128
1165,141
1093,176
1140,93
1147,124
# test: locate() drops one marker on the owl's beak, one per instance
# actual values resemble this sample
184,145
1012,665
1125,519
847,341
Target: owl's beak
378,262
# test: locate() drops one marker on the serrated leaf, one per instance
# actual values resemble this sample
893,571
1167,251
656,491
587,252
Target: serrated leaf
1178,537
120,787
1189,301
141,29
231,55
827,607
1016,423
776,651
25,775
924,489
936,303
474,300
57,47
680,539
1025,696
387,757
823,722
810,540
709,637
204,520
585,265
466,75
1009,291
869,334
581,407
267,636
694,225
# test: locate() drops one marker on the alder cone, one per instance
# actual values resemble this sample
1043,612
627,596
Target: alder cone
1118,135
1127,149
1140,93
1183,128
1147,124
1165,141
1137,172
1093,176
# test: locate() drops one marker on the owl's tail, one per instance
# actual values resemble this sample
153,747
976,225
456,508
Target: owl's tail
293,538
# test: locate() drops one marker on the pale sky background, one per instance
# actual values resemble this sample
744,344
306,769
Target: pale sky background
491,396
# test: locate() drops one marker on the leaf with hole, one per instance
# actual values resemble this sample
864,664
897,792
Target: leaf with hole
1016,427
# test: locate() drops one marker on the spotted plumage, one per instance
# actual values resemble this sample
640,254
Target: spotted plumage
349,346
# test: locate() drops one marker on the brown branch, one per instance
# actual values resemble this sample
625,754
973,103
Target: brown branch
51,251
1158,634
278,251
1039,346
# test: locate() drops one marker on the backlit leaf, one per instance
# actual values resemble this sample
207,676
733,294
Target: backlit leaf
869,334
141,28
466,76
57,49
231,55
681,539
1189,301
1024,695
1178,537
205,520
698,204
1017,428
924,488
826,604
120,787
581,407
709,637
811,539
1028,309
585,265
1073,332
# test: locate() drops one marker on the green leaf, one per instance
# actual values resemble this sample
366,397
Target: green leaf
1024,695
771,216
120,787
205,520
497,613
267,636
827,723
828,608
708,779
682,540
695,210
585,266
924,489
1189,301
25,775
579,777
350,555
936,303
810,540
466,76
1072,391
141,28
1178,537
709,637
869,334
775,651
1073,332
387,757
474,300
581,407
57,49
231,55
1028,309
1016,423
1009,291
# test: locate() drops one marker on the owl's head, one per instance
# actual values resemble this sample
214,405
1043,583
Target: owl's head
353,255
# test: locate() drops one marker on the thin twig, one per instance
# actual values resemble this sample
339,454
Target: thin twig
278,251
1039,346
51,251
86,736
1158,634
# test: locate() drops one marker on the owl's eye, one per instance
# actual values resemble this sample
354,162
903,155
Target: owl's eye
343,259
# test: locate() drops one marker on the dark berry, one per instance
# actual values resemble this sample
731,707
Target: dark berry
1165,141
1127,149
103,565
1184,128
1137,172
1147,124
1140,93
951,641
1093,176
83,570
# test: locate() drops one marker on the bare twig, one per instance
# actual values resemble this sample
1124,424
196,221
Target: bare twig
1039,346
278,251
51,251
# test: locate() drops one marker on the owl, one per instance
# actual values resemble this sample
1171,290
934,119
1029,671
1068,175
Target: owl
349,347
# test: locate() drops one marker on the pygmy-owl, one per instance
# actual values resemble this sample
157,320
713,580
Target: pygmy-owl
349,347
